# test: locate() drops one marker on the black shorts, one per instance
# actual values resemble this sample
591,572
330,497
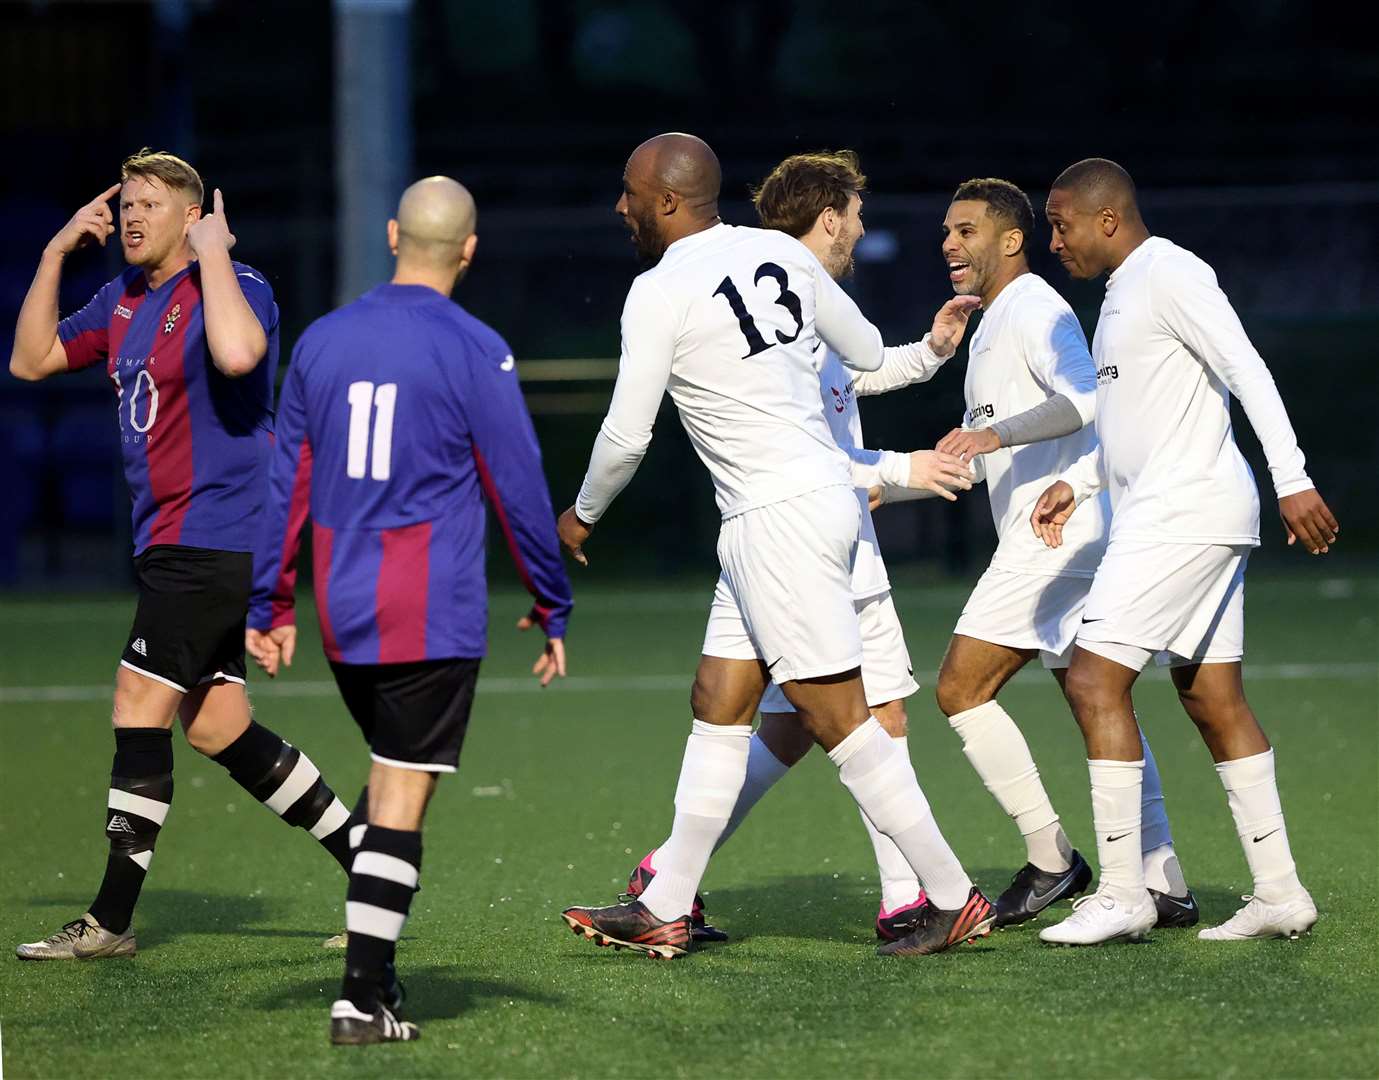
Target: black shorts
189,625
412,715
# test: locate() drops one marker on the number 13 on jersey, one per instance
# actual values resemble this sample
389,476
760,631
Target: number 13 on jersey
787,299
381,400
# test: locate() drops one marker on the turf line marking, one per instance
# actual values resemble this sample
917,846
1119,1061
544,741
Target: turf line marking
577,684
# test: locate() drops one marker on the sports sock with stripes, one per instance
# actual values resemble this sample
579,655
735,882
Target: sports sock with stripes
383,880
140,797
711,777
882,780
1252,792
998,752
284,779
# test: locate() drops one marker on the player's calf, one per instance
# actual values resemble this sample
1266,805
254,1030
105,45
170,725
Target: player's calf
286,781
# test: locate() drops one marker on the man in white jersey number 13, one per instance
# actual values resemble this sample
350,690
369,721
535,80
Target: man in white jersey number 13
733,322
1170,351
817,197
1030,392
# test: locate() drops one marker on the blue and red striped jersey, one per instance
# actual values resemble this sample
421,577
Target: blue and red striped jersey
400,412
196,444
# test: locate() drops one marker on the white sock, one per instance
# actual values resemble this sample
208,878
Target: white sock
1116,818
1252,793
998,751
899,886
883,782
1162,873
763,770
711,777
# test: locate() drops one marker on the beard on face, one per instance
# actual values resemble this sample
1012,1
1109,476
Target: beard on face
645,239
841,263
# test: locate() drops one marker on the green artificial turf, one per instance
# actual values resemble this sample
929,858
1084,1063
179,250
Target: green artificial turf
560,792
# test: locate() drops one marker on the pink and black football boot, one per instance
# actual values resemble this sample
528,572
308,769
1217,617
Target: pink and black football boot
640,878
895,924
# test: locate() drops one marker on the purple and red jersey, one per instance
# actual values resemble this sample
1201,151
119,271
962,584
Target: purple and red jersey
196,443
400,413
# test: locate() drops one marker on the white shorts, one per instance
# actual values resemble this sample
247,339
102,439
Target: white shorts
1177,603
1026,611
887,674
787,586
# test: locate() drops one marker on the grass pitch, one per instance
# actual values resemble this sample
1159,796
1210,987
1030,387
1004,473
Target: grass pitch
561,791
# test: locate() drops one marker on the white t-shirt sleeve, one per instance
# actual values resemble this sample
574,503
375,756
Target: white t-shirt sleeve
901,365
1087,475
648,347
1061,363
1189,304
843,327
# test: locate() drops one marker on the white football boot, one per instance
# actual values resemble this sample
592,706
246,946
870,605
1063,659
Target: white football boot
1098,918
1294,916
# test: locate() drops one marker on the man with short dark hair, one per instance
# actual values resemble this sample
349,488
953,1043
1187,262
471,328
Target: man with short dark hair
400,413
1030,390
1169,353
190,340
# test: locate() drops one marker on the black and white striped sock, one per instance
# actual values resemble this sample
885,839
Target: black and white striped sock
383,880
139,800
284,779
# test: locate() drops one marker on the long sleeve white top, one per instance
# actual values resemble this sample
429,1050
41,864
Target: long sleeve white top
1029,349
733,322
1169,351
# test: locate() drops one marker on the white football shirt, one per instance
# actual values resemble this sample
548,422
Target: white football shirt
902,365
733,321
1169,351
1028,348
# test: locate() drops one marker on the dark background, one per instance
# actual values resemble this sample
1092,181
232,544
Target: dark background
1250,129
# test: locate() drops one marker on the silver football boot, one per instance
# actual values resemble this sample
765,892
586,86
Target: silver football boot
80,939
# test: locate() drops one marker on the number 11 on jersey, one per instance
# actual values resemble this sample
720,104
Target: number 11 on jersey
365,398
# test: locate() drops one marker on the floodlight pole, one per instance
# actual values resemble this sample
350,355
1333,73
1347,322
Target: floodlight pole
373,135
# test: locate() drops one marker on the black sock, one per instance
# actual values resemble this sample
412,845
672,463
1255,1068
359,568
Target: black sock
140,796
387,866
283,778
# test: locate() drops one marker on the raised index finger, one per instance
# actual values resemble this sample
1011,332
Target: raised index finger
217,203
106,196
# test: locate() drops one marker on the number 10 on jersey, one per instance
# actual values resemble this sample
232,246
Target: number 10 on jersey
365,398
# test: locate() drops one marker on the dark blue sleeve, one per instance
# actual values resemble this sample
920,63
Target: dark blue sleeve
259,295
508,460
85,335
273,603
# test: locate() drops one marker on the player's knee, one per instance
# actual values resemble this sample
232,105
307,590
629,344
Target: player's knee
955,696
1085,692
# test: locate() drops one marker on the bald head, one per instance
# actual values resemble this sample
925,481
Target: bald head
683,164
434,219
1097,182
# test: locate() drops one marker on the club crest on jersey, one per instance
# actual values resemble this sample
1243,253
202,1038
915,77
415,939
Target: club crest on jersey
841,398
171,320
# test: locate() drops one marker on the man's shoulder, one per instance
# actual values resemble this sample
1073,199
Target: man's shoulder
1169,265
249,277
477,334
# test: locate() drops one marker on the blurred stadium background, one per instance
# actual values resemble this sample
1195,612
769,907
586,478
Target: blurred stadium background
1243,123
